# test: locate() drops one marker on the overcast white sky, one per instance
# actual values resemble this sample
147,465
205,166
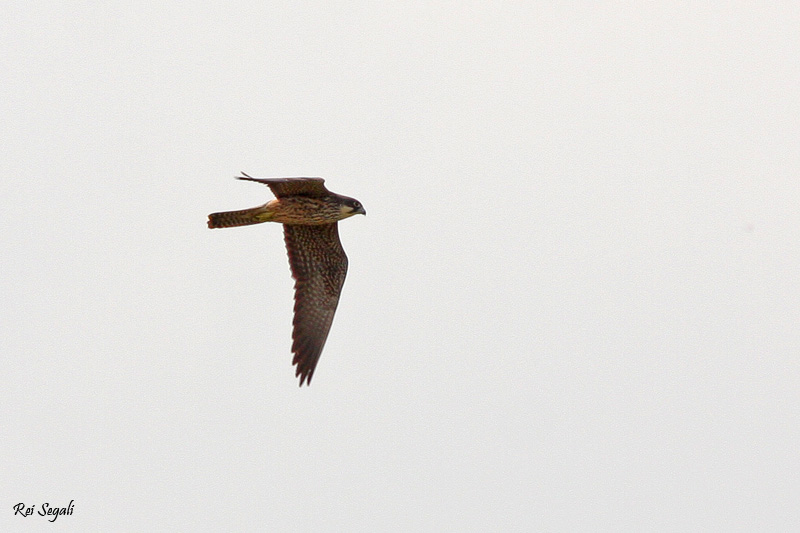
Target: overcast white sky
573,304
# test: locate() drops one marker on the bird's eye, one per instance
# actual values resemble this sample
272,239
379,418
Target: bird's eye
356,204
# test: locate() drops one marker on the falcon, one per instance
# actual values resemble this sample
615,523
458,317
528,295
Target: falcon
309,213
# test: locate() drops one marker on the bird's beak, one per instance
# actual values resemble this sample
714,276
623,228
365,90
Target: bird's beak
360,211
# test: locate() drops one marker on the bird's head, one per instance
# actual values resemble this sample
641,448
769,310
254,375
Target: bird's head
350,207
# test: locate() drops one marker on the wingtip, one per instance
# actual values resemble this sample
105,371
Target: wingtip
304,374
305,377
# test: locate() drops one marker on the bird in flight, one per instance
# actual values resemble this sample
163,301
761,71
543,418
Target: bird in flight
309,213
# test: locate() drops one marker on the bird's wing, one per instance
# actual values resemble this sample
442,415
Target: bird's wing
319,266
280,187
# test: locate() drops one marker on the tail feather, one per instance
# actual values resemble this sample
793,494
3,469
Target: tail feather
244,217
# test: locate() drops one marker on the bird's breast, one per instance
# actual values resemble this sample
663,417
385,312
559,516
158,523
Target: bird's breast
303,210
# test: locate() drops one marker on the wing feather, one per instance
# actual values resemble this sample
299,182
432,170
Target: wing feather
280,187
319,266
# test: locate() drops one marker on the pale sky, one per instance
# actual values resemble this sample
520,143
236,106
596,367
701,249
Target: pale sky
573,304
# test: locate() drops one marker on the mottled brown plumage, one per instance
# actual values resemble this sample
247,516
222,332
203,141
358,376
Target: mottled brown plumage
309,213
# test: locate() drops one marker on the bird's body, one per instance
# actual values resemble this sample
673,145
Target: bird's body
309,214
289,210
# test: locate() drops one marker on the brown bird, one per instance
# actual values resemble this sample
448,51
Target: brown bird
309,213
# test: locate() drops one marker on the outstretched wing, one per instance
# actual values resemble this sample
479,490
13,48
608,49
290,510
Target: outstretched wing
319,266
313,187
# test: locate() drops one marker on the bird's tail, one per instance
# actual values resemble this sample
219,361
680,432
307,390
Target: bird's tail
244,217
